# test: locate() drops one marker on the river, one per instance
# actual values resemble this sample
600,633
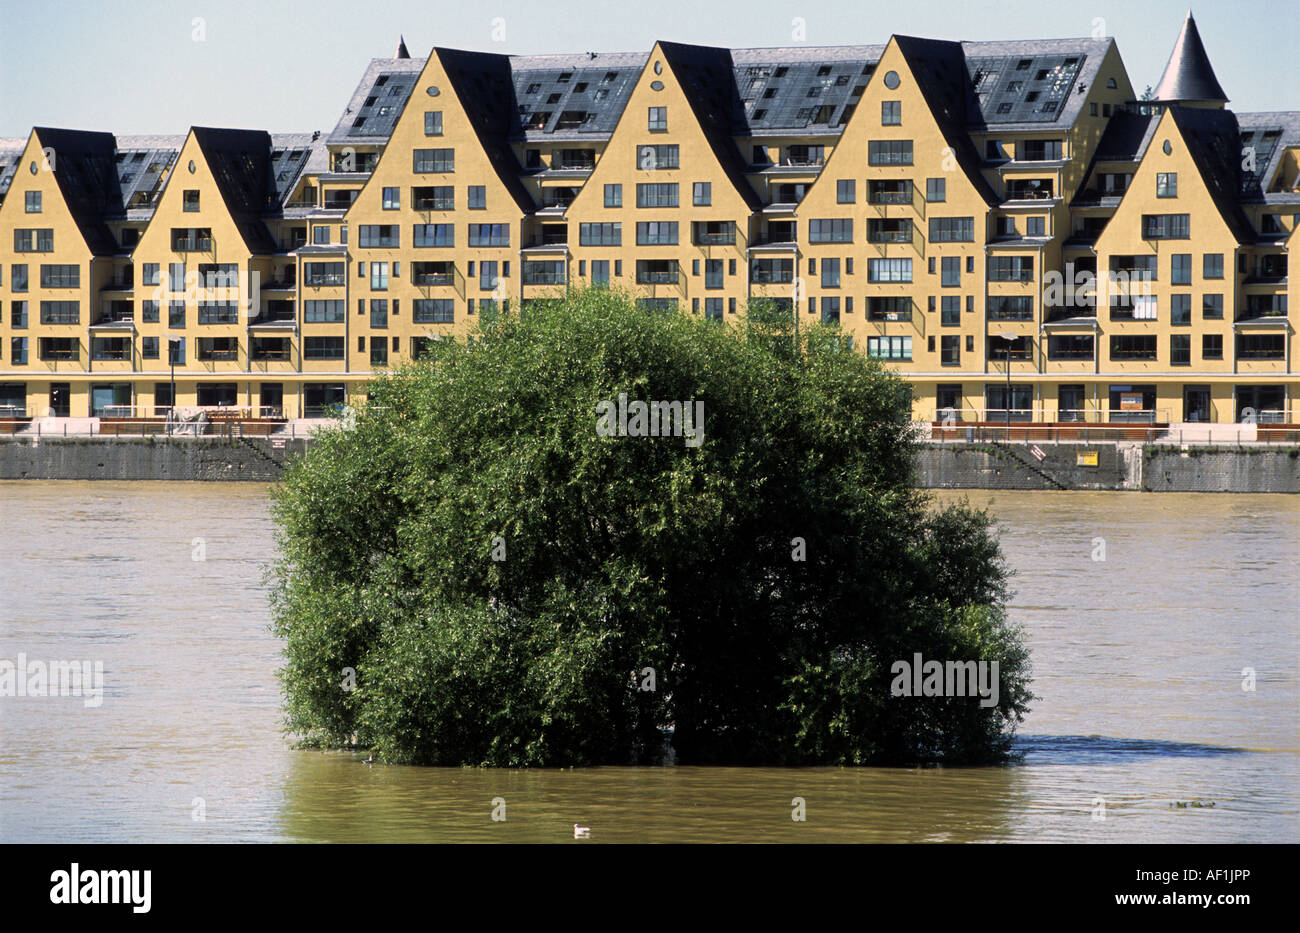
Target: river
1141,612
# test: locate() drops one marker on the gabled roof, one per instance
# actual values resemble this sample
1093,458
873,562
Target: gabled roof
377,102
1188,75
704,73
1126,139
241,166
1269,135
481,81
801,90
572,96
85,172
1031,84
940,70
1214,142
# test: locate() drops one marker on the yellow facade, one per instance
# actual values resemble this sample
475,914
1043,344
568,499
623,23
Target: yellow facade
945,206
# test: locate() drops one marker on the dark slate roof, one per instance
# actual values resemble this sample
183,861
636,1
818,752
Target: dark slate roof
290,156
11,150
240,161
939,69
1188,75
1269,135
1127,136
377,102
1031,84
572,96
704,74
1213,139
482,82
85,171
143,164
801,90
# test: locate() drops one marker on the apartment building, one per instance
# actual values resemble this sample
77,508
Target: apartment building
1003,223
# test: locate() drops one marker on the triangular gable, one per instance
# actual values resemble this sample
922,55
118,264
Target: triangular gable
240,163
84,169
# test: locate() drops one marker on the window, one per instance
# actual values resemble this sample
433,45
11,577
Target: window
434,160
18,315
1181,272
830,231
218,348
176,315
656,233
950,351
656,158
60,276
657,304
950,315
656,271
487,275
936,189
434,311
18,277
149,312
60,312
1180,350
658,119
34,241
378,351
613,195
1166,226
323,311
1212,266
316,274
600,273
477,197
891,112
713,232
433,123
59,348
489,234
703,194
610,234
1039,150
889,270
952,229
1070,347
830,273
392,200
771,271
33,202
1011,268
890,230
149,348
1035,226
190,201
218,312
1011,308
713,309
379,312
951,272
1133,347
1166,184
1212,307
889,152
1211,346
1261,346
379,236
831,310
320,234
1180,309
845,191
656,195
889,348
18,351
434,235
379,276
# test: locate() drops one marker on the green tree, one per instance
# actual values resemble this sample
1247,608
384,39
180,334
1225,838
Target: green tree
499,575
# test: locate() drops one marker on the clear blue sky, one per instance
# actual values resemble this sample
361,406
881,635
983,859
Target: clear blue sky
135,67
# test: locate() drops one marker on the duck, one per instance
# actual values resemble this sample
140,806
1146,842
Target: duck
581,832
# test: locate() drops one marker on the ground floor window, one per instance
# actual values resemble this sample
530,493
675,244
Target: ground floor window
1070,402
1263,404
1132,403
110,401
213,394
271,397
323,399
13,399
995,402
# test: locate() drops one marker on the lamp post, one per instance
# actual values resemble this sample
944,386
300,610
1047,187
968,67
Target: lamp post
1007,336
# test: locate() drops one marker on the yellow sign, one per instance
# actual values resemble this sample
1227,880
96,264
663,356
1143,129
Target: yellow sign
1086,458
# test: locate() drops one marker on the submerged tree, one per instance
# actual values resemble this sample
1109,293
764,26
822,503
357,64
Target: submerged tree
480,570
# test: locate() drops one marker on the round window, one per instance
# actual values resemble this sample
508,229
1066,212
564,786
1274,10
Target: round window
891,79
659,68
1168,147
656,85
192,167
33,168
432,90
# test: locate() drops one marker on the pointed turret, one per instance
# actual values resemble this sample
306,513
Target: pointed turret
1188,78
401,48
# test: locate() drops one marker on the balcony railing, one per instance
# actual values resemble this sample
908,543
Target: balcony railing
543,278
433,278
192,245
317,281
656,278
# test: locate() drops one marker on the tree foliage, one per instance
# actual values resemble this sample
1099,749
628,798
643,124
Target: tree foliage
627,553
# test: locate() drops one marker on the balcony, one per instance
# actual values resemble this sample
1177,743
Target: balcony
1034,189
192,244
544,278
433,278
889,192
